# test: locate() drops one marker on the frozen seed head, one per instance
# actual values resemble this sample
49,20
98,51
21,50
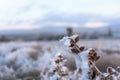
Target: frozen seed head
59,59
93,57
57,69
109,70
70,41
81,48
75,50
76,38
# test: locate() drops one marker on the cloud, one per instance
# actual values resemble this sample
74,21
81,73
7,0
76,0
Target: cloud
68,24
62,24
12,11
18,27
95,24
19,12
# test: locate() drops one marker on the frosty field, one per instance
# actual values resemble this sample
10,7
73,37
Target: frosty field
31,60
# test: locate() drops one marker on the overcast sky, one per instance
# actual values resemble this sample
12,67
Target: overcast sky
22,14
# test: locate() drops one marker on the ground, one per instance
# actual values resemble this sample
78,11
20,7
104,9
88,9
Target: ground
31,59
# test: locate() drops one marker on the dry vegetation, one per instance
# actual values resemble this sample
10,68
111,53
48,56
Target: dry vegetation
33,60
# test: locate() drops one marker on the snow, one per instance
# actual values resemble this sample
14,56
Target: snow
19,59
67,40
84,65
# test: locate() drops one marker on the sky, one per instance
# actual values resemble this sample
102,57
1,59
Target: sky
32,14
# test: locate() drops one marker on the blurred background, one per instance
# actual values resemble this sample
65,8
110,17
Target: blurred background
30,31
49,20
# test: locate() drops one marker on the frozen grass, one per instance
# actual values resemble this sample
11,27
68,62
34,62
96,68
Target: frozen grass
32,60
86,62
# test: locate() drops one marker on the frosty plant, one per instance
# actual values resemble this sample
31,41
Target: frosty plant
85,61
57,69
112,74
